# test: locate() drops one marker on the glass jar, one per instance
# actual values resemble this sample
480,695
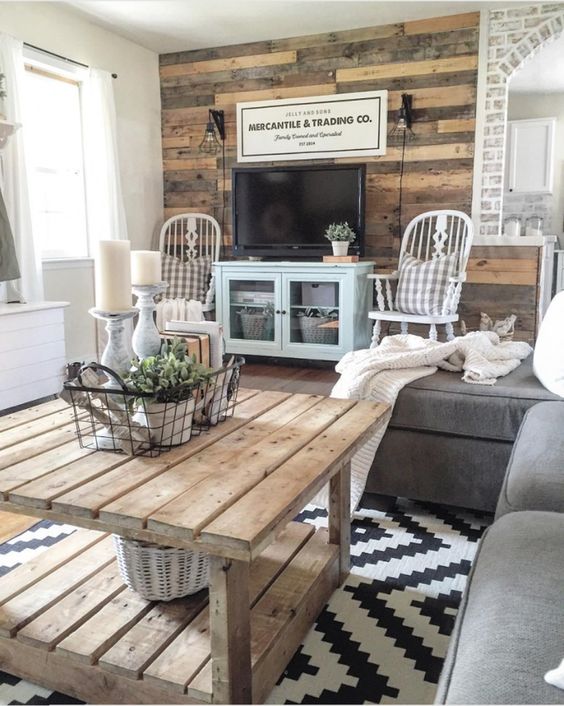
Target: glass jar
533,226
512,226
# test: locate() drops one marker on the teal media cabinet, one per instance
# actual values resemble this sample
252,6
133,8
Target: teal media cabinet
311,310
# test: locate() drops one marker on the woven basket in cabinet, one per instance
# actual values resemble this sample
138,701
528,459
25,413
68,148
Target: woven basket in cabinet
254,326
313,331
161,573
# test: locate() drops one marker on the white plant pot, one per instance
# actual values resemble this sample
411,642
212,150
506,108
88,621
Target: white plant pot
168,422
340,247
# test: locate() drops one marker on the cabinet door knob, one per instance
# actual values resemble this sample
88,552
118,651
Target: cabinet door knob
278,311
283,311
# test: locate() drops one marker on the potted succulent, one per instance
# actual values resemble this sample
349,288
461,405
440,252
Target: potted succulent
340,235
316,325
256,322
168,384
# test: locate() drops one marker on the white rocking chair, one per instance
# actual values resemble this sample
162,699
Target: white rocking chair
189,236
427,237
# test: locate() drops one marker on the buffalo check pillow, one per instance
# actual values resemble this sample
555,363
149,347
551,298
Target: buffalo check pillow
186,280
423,284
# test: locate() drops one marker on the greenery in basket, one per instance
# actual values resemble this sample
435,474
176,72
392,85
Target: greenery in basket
340,232
320,312
168,376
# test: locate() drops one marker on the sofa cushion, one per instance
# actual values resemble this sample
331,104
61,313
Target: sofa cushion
535,474
442,403
509,628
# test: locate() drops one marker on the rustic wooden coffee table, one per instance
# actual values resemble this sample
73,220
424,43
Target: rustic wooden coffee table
68,622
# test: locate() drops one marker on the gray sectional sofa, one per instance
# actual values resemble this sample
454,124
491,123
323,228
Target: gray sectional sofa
449,442
510,627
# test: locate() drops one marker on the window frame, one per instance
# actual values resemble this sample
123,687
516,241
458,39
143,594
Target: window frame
43,64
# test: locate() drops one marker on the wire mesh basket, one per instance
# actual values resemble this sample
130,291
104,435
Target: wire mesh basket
110,417
160,573
316,329
218,395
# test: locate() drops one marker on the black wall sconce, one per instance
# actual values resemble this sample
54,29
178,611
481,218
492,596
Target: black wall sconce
401,133
402,127
210,144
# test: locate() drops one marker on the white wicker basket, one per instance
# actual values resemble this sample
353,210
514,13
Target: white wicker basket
161,573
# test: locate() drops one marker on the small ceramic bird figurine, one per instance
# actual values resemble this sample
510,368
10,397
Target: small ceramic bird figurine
505,328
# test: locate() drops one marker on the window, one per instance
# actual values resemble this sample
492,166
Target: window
54,152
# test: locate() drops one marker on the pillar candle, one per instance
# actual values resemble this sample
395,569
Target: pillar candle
146,267
113,275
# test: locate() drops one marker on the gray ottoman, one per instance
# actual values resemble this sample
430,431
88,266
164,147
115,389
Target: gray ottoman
450,442
510,627
535,474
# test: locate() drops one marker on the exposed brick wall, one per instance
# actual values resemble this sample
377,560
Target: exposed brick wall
514,36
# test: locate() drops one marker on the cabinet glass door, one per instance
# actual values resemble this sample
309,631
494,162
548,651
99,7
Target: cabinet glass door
314,312
251,309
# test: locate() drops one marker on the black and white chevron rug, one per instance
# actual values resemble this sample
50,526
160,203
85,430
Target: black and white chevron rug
383,636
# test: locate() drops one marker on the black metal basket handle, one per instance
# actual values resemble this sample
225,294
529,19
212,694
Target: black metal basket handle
108,371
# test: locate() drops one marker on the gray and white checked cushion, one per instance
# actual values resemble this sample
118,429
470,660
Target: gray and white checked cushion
186,280
422,285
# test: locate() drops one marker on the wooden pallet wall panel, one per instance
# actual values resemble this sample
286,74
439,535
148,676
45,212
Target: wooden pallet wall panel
434,59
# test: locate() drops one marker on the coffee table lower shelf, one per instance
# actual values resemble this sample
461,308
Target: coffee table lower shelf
67,621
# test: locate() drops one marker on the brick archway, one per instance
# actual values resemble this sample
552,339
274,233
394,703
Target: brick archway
515,36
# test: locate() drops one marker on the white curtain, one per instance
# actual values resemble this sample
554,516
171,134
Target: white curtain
105,212
15,174
104,201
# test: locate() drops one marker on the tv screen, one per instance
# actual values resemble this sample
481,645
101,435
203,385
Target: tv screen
283,212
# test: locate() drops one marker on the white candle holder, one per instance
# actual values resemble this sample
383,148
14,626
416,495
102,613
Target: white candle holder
146,339
116,355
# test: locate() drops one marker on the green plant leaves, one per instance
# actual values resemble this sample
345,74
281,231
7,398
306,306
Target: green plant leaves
340,232
169,376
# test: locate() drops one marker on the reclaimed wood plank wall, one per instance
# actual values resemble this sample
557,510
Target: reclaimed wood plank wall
434,60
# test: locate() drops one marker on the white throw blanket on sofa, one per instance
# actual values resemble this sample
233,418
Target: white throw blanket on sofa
379,374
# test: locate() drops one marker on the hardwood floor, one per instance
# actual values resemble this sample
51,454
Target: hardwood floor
12,524
289,378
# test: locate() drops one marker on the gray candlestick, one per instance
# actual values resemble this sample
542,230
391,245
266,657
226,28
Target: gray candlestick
116,355
146,339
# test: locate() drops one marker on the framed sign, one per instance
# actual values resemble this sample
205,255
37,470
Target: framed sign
320,127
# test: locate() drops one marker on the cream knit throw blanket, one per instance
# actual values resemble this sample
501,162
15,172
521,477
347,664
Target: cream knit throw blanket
379,374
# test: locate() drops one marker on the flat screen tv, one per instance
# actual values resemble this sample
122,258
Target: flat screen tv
282,212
